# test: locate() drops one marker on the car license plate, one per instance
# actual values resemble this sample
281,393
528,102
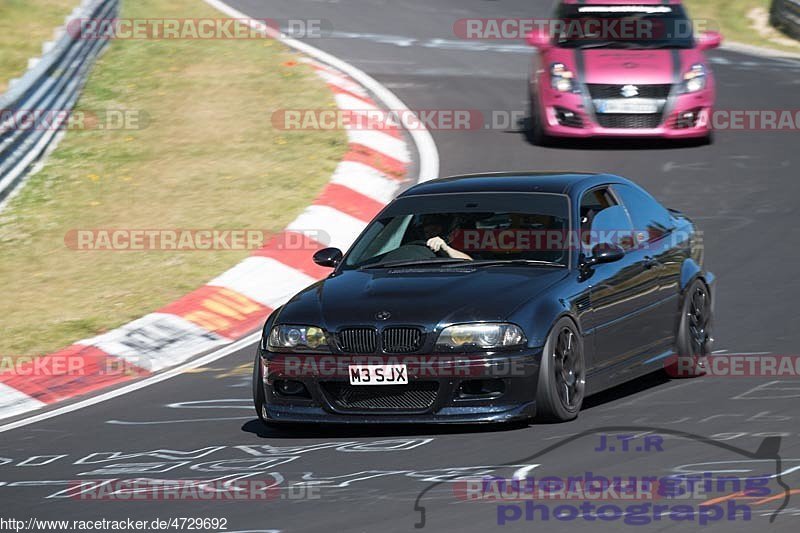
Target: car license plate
378,375
635,106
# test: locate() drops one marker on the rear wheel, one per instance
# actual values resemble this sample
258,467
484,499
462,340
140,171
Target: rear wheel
694,333
562,374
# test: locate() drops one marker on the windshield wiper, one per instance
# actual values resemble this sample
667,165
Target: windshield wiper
415,262
501,262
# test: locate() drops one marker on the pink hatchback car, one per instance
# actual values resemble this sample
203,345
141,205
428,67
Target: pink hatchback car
608,68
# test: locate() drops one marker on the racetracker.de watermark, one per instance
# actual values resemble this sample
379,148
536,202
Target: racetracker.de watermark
736,366
189,240
185,29
582,28
73,120
148,489
417,366
382,120
31,366
372,119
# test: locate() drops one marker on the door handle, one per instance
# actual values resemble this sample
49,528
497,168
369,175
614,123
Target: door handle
649,262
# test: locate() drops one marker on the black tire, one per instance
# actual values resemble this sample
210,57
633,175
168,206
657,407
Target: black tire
694,333
536,134
258,391
562,374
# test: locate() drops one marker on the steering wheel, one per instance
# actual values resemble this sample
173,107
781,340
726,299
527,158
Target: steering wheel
410,251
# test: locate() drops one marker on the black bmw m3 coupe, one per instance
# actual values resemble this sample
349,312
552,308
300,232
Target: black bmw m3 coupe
490,298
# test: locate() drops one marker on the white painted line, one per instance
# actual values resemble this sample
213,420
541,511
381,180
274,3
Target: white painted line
14,402
760,51
264,280
522,473
638,400
180,421
40,460
366,180
772,391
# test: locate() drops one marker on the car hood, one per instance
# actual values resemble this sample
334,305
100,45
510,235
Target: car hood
424,297
619,67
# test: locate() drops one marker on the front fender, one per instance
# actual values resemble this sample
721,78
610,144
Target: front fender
690,271
538,317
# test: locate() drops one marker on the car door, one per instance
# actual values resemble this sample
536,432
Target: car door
622,293
653,230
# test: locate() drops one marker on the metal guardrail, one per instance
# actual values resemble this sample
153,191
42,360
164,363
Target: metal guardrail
51,86
785,15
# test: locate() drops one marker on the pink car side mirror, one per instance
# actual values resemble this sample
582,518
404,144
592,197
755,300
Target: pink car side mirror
539,38
708,40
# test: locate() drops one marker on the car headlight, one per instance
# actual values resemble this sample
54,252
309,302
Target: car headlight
561,78
695,79
288,337
480,337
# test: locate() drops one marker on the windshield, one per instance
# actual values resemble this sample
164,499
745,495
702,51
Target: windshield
460,228
623,26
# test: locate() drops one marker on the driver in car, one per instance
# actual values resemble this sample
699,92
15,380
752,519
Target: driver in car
433,226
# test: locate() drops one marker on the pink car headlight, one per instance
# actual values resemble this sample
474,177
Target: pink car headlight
695,79
561,78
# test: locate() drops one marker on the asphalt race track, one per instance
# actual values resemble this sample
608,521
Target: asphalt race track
742,190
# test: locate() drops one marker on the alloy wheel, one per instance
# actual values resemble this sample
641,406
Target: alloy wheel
569,369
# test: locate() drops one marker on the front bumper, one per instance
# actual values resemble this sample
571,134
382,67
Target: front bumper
586,123
448,375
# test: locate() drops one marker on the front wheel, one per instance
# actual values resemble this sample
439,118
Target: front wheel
562,374
259,402
536,133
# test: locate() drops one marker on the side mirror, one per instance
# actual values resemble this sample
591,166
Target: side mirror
605,252
539,38
709,39
328,257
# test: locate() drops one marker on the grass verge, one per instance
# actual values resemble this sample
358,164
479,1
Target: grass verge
744,21
24,26
207,158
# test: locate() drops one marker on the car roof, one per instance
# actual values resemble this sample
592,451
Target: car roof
622,2
547,182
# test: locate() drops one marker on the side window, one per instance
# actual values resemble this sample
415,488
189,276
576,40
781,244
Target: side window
650,220
603,220
592,203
